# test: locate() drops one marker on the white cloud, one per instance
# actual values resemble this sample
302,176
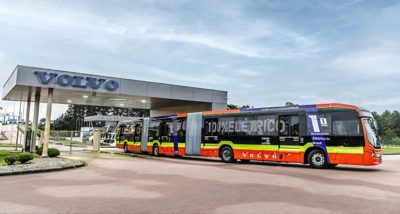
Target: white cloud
248,72
368,62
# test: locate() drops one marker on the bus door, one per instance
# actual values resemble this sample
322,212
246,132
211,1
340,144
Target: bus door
137,137
120,133
289,138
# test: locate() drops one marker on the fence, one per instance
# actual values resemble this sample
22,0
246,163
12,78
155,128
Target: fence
12,137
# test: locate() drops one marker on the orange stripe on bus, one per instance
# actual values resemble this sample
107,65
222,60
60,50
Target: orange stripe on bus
221,112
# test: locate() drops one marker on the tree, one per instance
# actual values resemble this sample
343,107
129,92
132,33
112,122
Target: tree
290,104
234,106
73,117
388,126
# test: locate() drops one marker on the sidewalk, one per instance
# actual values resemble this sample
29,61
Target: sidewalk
41,165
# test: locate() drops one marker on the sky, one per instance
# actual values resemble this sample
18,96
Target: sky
264,53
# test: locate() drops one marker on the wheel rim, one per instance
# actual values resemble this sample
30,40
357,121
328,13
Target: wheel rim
318,159
226,154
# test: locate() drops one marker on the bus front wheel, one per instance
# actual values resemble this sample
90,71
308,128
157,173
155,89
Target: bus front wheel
317,159
156,151
227,155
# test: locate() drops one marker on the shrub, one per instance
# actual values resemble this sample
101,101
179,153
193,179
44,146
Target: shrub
10,159
25,157
39,151
53,152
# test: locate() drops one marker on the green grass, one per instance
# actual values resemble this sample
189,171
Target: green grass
4,154
9,145
391,150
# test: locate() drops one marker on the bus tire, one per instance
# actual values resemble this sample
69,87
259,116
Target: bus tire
156,151
317,159
126,150
227,155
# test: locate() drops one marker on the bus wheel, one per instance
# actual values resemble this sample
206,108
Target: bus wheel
126,148
227,155
317,159
156,151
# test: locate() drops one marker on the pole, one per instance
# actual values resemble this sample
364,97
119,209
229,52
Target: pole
18,120
48,122
12,124
70,143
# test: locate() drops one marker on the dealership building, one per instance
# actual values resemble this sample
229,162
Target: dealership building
40,85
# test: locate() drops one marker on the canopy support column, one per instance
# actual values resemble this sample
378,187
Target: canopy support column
35,119
48,122
27,112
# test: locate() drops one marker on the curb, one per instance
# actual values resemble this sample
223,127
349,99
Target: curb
391,153
80,164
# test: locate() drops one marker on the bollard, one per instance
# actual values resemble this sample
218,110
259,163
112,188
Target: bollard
96,140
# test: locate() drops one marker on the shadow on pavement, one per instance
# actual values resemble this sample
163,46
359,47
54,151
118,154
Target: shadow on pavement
266,163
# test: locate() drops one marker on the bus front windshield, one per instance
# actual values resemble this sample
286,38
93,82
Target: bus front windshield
370,126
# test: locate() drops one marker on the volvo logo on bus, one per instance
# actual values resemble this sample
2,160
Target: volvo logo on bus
67,80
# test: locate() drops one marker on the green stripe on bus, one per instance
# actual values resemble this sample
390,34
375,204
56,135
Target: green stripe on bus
345,150
283,148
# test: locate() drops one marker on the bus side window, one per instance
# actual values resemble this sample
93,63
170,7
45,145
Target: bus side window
130,132
283,126
166,131
210,127
345,124
294,126
154,130
289,126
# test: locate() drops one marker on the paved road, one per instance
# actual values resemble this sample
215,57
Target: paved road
118,184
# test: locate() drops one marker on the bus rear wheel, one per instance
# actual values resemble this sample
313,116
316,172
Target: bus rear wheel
156,151
317,159
227,155
126,150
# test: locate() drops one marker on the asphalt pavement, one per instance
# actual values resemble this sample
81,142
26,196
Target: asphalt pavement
144,184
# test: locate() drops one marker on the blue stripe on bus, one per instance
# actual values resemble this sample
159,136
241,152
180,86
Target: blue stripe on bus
317,136
175,135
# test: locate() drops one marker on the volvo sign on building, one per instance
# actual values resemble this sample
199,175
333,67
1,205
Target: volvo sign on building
40,85
77,81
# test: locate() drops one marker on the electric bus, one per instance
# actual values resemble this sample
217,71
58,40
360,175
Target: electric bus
321,135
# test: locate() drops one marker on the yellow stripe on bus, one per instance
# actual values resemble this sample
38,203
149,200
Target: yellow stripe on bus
283,148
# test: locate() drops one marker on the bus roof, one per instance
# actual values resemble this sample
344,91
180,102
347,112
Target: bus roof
269,109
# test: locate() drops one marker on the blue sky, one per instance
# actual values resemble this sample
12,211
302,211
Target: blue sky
263,53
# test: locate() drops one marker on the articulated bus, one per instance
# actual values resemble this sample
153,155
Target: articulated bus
321,135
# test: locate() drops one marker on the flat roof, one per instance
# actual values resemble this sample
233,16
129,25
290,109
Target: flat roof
91,89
